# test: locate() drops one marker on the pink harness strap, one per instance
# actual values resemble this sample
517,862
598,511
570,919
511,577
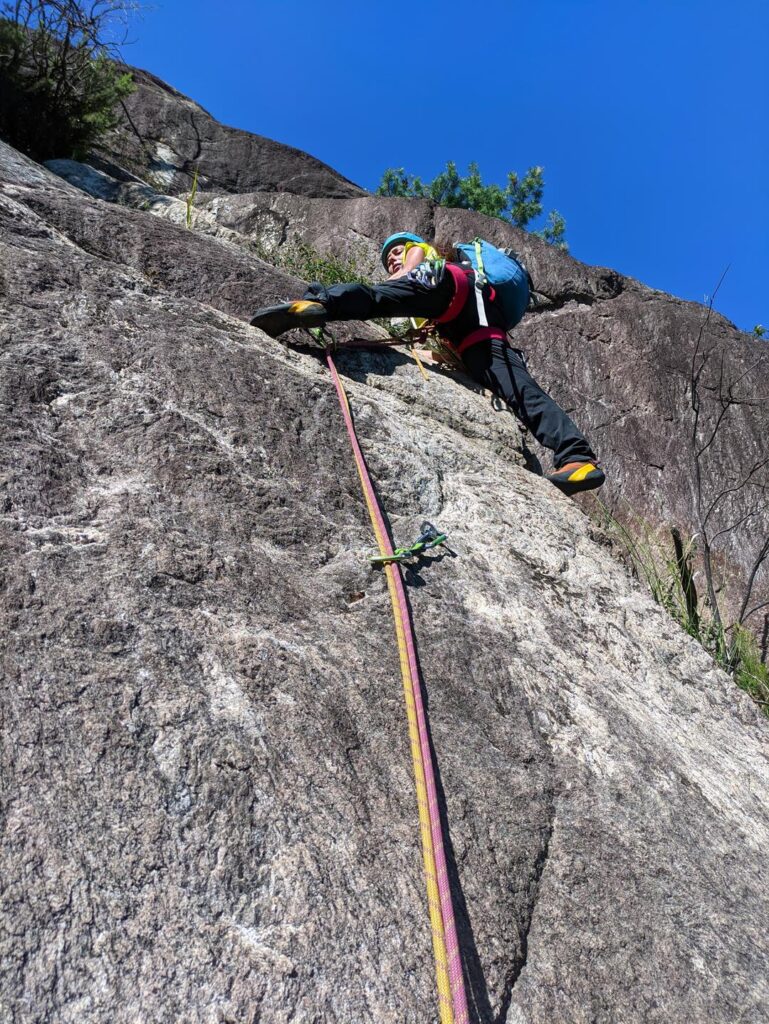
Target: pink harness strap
460,297
482,334
461,292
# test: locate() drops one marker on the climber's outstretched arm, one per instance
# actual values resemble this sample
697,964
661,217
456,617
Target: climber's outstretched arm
401,296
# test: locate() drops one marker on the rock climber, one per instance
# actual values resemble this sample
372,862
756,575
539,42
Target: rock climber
421,284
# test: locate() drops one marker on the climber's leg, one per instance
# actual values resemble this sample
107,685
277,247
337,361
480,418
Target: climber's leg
502,369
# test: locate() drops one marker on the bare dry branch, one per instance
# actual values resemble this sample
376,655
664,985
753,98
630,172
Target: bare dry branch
725,409
759,561
745,482
739,522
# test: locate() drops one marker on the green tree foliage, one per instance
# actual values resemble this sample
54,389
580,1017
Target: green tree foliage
58,88
395,182
759,331
519,202
554,231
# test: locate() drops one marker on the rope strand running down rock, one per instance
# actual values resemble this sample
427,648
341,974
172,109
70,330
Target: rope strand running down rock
448,964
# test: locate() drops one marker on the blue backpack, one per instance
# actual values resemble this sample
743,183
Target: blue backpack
504,272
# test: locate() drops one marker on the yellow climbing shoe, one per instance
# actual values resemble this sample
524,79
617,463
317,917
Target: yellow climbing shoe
274,320
305,307
577,476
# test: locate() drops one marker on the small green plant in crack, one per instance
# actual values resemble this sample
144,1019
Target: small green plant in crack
306,262
190,200
303,260
750,673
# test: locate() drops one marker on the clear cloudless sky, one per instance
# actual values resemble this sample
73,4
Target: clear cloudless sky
650,117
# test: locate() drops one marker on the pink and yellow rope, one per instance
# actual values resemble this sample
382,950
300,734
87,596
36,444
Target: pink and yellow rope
452,999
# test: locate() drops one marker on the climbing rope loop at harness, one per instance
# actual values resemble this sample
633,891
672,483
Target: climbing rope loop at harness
452,999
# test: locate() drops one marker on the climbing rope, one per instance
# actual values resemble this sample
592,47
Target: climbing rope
452,1000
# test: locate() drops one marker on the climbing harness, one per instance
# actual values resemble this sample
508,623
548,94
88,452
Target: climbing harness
452,999
429,537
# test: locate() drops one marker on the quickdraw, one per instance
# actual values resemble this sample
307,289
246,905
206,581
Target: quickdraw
452,999
429,537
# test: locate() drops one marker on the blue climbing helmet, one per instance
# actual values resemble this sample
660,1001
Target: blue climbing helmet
400,237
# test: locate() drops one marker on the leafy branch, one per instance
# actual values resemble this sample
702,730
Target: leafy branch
59,87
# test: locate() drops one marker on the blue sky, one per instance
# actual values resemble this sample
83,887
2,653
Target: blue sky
650,118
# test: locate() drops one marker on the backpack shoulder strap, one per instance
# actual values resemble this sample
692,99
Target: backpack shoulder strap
480,281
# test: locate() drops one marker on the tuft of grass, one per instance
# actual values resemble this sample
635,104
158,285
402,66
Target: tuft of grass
749,671
190,200
670,577
305,261
663,571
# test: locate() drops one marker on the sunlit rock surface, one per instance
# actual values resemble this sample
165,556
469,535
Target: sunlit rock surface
166,136
207,806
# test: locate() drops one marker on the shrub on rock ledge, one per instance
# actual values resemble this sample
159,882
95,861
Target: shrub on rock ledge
58,88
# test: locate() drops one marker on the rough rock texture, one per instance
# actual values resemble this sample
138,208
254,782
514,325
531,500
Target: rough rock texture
166,135
136,194
615,354
207,811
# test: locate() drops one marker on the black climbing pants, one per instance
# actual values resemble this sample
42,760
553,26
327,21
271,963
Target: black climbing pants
502,369
493,364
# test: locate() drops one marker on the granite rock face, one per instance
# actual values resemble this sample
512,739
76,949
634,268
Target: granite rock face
615,354
165,136
207,811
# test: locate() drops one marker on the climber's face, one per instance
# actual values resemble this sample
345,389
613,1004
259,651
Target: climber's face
395,259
